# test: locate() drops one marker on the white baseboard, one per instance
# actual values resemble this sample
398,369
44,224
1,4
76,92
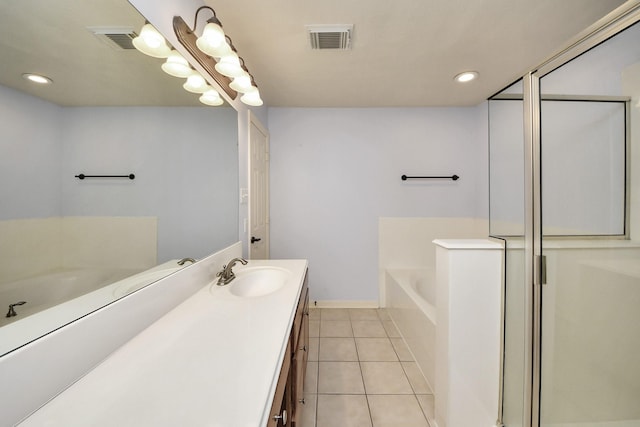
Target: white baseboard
343,304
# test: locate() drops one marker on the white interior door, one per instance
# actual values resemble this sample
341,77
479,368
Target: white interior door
258,190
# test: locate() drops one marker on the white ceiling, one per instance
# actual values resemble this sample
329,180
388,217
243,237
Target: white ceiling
403,53
52,38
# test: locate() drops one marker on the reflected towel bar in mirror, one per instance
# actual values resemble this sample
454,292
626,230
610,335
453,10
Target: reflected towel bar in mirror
83,176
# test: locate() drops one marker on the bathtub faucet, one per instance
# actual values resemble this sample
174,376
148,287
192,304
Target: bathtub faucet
12,311
183,260
227,275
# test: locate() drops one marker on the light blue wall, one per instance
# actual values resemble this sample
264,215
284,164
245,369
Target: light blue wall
335,171
185,160
30,155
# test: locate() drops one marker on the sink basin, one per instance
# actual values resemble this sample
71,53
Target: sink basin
258,281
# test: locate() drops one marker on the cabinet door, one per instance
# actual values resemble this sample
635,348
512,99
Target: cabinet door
281,406
300,361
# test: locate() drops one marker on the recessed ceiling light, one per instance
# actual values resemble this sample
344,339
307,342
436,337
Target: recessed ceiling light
466,76
37,78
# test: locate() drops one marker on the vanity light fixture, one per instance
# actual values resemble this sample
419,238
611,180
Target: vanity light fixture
252,98
229,65
241,83
196,84
176,65
151,42
211,97
213,41
37,78
215,52
466,76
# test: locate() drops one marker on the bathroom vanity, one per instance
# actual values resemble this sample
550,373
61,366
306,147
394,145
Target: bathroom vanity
231,355
289,397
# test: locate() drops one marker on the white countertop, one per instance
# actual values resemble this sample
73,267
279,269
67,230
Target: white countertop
212,361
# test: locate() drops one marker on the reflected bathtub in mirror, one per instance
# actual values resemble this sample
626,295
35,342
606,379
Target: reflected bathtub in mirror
60,298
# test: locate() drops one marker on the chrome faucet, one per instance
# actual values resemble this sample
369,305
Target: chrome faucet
227,275
12,310
183,260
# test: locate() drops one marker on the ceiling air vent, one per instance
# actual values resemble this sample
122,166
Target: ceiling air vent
330,36
117,38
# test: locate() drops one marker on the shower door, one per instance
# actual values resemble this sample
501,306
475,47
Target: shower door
588,231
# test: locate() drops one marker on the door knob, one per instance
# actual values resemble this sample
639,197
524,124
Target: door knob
254,239
282,417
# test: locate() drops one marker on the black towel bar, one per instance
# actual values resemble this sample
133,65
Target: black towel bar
83,176
452,177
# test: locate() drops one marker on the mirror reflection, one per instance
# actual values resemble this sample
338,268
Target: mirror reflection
70,245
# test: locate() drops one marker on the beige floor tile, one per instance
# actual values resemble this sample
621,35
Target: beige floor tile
309,411
308,418
343,411
368,329
335,328
428,405
391,329
383,314
376,350
402,350
314,346
338,350
314,313
334,314
396,411
340,377
416,379
314,328
311,378
385,378
363,314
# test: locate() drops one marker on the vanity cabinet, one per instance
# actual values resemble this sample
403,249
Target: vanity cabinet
288,401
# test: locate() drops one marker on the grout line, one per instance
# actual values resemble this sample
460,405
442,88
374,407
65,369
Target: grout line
366,395
364,386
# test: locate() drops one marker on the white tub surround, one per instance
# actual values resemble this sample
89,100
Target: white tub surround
407,243
214,360
411,302
468,336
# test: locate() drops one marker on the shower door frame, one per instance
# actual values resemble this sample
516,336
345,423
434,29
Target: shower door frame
620,19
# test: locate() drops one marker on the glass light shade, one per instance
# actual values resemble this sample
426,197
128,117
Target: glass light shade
211,97
150,42
196,84
229,65
212,41
241,83
252,98
176,65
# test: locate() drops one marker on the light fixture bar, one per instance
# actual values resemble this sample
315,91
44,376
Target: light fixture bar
187,38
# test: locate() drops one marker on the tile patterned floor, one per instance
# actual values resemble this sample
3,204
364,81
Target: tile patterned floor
361,374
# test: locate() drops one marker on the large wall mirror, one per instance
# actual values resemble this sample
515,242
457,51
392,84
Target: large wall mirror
67,245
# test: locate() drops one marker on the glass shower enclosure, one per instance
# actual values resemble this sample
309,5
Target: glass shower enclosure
565,196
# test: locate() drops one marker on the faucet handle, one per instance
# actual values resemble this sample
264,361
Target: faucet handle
221,272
